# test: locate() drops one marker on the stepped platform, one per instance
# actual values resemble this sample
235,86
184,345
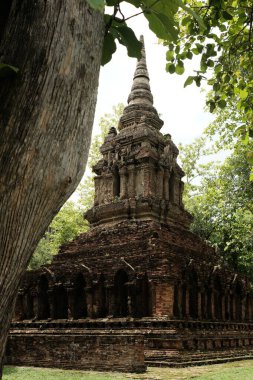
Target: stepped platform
138,342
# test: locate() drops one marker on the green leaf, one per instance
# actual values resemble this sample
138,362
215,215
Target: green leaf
216,86
222,103
198,81
109,48
180,68
136,3
191,12
161,25
212,106
189,54
7,70
170,67
250,157
169,55
210,63
128,39
227,16
111,2
97,4
243,94
188,81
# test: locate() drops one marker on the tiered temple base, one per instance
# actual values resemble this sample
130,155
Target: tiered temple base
120,344
116,294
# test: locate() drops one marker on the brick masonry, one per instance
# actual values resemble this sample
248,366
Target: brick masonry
138,271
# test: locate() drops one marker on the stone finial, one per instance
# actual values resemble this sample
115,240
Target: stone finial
140,100
140,91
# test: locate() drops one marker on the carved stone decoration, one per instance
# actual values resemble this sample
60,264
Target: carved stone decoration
139,151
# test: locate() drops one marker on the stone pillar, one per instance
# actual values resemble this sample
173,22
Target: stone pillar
164,298
123,182
223,308
166,184
243,312
232,306
160,186
181,191
89,300
200,301
131,181
71,302
110,297
19,307
148,182
35,297
176,190
187,305
97,180
180,300
50,293
212,305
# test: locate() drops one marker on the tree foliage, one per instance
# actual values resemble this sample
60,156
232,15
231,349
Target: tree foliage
219,195
225,55
66,225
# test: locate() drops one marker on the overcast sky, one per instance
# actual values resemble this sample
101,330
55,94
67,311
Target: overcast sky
182,109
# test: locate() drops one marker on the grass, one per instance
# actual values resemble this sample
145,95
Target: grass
242,370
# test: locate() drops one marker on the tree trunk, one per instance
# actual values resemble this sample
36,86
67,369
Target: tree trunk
46,116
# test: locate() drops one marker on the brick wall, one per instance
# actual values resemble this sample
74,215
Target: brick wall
105,352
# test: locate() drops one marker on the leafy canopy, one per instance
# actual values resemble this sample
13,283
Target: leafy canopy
161,16
219,196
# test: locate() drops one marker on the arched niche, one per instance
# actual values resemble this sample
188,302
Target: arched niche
217,298
192,279
80,302
176,301
43,301
116,182
60,302
238,295
172,183
100,309
28,304
141,297
120,294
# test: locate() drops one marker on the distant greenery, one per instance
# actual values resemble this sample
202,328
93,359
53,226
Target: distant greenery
69,222
227,371
219,195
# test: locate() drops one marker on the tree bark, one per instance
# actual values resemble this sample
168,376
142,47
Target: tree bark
46,116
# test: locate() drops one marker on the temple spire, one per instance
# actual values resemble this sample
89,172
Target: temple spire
140,100
140,91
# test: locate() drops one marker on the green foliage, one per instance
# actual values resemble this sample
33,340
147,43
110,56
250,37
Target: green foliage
161,16
66,225
225,53
219,195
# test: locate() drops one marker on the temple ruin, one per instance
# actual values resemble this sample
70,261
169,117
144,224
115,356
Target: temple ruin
139,288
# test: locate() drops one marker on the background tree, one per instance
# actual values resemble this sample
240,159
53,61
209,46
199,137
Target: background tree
219,196
225,49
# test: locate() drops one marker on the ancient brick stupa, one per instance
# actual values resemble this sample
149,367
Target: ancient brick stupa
139,285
